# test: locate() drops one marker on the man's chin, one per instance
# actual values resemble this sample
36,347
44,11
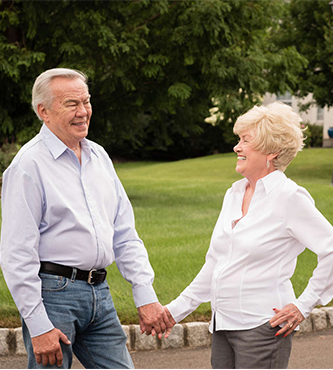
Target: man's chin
81,131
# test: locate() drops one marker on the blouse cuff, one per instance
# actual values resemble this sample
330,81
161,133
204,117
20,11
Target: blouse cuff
181,307
306,302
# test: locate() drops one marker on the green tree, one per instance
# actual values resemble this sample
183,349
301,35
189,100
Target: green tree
154,66
309,28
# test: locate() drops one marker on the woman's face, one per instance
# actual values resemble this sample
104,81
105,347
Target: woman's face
251,163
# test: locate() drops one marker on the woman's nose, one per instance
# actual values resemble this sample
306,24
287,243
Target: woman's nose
236,148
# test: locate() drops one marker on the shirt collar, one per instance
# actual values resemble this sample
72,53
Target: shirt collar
271,180
268,182
57,147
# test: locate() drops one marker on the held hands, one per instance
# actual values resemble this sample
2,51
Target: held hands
172,322
289,314
47,348
155,319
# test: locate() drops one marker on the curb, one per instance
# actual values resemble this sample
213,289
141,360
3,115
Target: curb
194,334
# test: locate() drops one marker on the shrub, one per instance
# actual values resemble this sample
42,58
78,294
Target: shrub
7,153
314,135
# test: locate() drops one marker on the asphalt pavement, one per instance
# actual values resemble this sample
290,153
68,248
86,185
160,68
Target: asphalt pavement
310,351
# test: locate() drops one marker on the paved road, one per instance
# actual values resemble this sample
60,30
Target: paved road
310,351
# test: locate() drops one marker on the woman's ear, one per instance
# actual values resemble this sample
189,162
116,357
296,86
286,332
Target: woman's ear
271,156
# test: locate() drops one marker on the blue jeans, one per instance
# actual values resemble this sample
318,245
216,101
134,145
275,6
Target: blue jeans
86,314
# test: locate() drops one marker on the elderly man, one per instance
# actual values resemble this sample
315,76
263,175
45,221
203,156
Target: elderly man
66,217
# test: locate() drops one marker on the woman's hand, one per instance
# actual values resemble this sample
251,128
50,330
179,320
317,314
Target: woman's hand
289,314
171,321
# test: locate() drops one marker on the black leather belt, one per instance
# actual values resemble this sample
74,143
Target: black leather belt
91,277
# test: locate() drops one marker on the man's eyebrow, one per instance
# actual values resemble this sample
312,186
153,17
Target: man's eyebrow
71,101
76,100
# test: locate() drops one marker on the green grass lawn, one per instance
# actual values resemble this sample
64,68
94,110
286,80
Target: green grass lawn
176,205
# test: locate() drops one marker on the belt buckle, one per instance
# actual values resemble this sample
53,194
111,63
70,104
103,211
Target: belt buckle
90,277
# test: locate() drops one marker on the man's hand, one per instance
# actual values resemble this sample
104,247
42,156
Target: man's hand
47,348
289,314
153,319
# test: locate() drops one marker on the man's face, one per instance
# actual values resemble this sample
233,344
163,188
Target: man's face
69,115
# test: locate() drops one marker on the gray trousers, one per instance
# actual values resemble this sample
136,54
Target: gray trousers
256,348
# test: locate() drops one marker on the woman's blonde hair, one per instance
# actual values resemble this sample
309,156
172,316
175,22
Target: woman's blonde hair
277,130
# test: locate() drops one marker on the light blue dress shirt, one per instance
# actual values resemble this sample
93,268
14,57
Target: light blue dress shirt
56,209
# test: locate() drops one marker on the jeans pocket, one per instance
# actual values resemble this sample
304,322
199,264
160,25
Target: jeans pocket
53,283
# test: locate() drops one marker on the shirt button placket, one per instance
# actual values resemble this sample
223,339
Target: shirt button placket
85,189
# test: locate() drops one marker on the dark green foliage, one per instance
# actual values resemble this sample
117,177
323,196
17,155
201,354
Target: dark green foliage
309,28
154,67
7,153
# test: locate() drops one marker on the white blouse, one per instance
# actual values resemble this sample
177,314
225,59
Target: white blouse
249,263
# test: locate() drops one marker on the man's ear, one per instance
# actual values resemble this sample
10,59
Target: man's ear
43,112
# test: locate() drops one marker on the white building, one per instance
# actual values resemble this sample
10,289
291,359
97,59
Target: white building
315,115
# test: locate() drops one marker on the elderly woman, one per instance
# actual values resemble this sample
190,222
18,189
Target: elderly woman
266,221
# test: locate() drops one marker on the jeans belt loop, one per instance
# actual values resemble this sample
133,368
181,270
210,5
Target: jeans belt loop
73,275
90,277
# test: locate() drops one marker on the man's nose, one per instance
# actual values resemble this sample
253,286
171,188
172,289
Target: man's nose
81,110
